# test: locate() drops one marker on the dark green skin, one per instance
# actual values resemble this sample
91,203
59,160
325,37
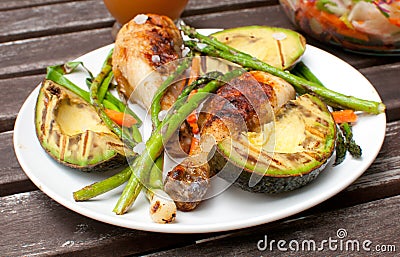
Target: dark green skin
266,184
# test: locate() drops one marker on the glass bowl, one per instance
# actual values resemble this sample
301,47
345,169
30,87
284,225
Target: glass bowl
366,26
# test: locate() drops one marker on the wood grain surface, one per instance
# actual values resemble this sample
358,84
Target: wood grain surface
361,222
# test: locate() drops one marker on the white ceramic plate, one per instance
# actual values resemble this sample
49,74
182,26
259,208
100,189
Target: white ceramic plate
234,208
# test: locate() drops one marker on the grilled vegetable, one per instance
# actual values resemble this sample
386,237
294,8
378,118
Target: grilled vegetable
154,145
292,154
71,131
279,47
352,147
212,47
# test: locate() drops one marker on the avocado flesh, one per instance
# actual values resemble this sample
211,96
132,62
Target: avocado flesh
296,150
71,132
279,47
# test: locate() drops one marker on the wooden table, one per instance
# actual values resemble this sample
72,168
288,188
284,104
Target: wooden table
38,33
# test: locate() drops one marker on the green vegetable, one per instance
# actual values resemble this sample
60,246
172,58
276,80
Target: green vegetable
297,147
103,186
340,147
70,130
156,105
104,86
55,74
213,47
352,147
97,104
345,141
279,47
154,146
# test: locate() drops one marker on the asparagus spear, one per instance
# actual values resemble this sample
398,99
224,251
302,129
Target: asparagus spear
103,186
120,178
213,47
54,74
156,105
340,147
97,103
301,70
154,146
104,86
200,81
352,147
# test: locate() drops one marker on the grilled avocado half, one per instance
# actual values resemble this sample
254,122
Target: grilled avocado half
71,132
285,155
278,47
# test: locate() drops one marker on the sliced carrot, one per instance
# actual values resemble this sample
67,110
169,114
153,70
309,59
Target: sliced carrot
330,21
395,21
122,119
194,145
192,120
344,116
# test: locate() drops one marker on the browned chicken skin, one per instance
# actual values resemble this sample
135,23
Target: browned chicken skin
142,46
238,106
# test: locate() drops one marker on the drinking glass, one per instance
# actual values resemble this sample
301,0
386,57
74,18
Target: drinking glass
125,10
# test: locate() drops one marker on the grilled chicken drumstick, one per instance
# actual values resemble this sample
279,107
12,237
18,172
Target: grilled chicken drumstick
142,46
240,105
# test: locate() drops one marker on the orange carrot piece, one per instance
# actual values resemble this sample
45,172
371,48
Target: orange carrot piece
194,145
344,116
122,119
394,21
192,120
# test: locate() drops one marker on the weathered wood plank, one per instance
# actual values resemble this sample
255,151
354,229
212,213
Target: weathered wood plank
53,19
372,221
387,79
11,4
14,92
32,56
13,180
52,229
211,6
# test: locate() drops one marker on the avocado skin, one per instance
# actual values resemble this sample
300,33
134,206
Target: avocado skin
266,184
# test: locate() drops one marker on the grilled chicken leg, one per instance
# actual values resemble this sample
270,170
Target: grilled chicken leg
243,104
142,46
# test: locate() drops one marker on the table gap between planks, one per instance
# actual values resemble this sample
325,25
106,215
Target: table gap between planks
37,33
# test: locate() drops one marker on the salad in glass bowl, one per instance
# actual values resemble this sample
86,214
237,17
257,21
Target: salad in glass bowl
369,26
